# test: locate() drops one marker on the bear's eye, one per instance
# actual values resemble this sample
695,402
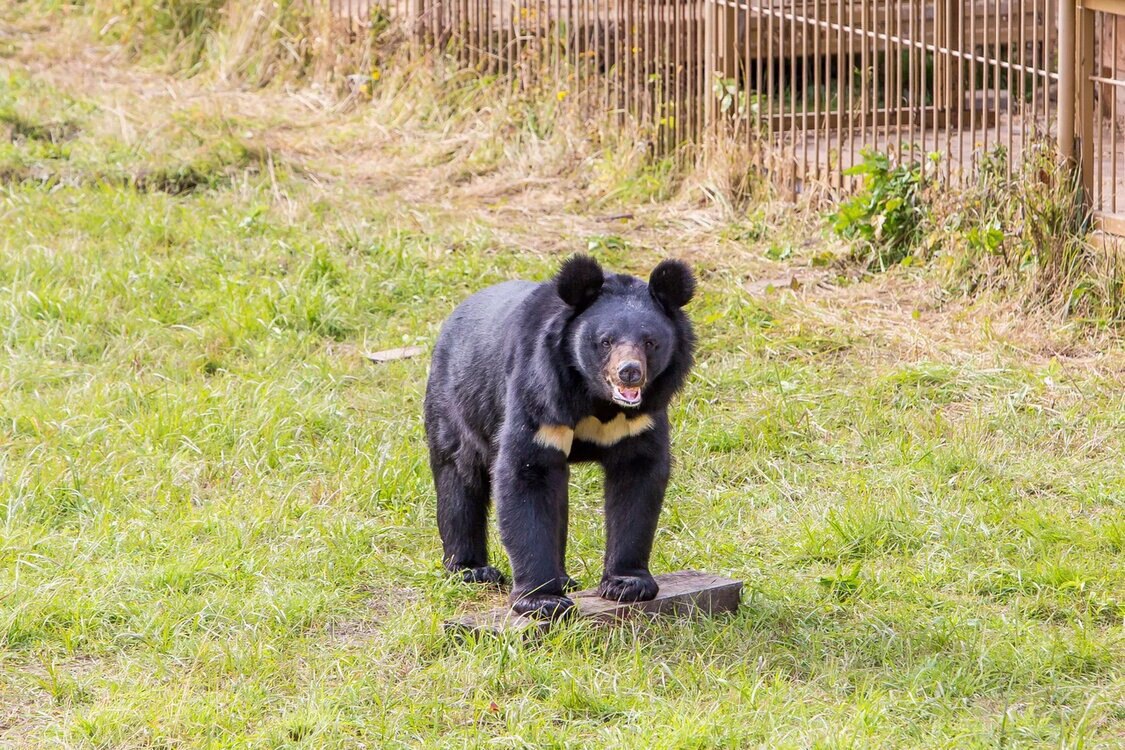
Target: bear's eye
650,345
606,343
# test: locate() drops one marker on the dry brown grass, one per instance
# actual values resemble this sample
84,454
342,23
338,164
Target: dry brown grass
467,157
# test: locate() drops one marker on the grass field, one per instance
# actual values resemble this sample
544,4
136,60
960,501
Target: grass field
216,519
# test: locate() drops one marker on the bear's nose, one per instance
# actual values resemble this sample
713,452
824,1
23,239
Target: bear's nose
630,373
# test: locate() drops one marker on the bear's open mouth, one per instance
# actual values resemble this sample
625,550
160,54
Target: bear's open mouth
626,396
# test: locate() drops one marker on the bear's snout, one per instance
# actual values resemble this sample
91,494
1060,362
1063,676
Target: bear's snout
631,373
625,373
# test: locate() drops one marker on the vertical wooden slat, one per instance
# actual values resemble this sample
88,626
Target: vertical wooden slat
1098,139
910,87
699,68
971,45
899,34
769,79
661,73
887,75
1010,109
804,140
918,73
832,130
472,27
865,62
1035,64
655,78
931,66
1051,62
621,59
677,71
838,177
1085,28
935,69
572,68
925,32
759,78
578,51
1015,94
980,94
678,68
648,84
1114,94
847,99
601,59
1067,74
511,46
995,120
493,31
921,75
958,104
626,60
644,59
778,58
792,130
947,26
702,84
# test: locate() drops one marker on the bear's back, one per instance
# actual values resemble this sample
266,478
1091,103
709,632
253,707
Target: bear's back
467,372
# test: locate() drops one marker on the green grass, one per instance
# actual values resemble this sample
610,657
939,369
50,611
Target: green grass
216,519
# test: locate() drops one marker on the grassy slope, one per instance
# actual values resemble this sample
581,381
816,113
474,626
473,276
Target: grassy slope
216,519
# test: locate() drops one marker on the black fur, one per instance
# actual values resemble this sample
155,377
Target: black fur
521,355
579,281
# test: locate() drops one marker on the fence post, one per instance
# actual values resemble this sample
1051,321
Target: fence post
1066,66
720,51
1086,113
710,63
417,20
729,43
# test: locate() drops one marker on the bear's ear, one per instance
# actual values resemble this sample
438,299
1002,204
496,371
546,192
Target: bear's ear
579,281
672,283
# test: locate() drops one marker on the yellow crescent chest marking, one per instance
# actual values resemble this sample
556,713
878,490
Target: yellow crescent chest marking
557,436
605,434
592,430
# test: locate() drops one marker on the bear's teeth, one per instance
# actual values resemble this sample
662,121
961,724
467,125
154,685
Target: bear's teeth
629,395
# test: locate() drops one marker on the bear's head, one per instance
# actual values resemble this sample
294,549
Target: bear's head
625,334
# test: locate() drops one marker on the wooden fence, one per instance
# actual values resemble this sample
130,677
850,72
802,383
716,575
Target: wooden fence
811,84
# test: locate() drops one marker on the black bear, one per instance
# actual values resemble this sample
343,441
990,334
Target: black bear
527,378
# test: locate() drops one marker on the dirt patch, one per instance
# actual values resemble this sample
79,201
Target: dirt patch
380,605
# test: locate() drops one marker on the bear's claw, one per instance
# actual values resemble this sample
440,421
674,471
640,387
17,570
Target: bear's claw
569,584
628,588
484,574
544,606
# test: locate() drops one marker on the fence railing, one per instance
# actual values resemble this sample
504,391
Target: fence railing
809,85
823,81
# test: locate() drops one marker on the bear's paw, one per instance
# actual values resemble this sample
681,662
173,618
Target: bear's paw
628,588
544,606
484,574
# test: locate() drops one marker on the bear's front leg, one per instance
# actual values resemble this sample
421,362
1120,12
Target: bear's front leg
530,483
636,475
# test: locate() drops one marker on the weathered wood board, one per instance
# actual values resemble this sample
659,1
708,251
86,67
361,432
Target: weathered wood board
390,355
682,593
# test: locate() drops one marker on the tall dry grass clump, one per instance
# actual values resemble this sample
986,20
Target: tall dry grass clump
245,42
1024,233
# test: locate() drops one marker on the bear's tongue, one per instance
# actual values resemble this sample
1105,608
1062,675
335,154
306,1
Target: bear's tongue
628,395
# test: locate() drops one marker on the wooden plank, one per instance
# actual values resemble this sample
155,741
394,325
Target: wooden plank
682,593
1106,6
390,355
1110,223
